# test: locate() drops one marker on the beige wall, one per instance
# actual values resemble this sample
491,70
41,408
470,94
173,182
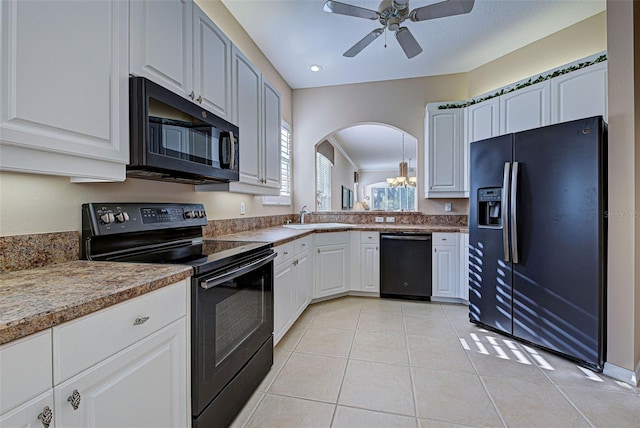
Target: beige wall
341,175
53,203
623,343
319,112
573,43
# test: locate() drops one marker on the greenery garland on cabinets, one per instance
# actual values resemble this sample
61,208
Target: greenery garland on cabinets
529,82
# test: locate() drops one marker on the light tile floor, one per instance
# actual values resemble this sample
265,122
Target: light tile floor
365,362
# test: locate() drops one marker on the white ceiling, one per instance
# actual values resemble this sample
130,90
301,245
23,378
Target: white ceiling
294,34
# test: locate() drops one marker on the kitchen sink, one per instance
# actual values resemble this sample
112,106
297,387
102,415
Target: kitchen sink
316,225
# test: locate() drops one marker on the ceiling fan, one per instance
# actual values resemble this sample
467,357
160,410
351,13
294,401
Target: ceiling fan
391,14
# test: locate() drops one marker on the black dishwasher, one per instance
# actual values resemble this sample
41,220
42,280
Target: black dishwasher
405,265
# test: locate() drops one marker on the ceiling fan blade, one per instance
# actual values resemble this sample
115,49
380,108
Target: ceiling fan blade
363,43
350,10
442,9
408,43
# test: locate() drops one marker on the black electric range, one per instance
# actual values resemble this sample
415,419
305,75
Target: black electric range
231,295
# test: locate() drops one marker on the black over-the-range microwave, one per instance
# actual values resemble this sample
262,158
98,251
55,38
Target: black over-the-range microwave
174,139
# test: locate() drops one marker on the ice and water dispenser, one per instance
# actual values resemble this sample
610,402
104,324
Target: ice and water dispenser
490,207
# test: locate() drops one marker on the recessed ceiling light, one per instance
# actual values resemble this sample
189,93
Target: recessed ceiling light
315,68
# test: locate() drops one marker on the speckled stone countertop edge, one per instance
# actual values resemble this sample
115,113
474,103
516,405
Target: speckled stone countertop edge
280,235
34,318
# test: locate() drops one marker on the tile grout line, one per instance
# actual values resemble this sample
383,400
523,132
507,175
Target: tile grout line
411,377
346,366
484,386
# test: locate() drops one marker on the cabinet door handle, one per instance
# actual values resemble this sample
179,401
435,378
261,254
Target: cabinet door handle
192,95
141,320
74,399
199,99
46,417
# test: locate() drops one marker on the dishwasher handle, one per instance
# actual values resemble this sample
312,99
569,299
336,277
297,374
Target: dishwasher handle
407,237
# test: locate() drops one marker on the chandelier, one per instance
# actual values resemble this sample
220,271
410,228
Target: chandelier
403,178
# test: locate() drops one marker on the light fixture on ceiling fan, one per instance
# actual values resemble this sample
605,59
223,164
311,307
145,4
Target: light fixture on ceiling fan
403,178
391,14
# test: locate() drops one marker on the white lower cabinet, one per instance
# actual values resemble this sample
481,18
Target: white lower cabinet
292,285
26,381
143,385
365,263
331,264
36,413
124,366
445,258
464,266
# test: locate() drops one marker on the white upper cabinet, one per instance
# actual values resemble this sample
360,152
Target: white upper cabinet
247,93
161,43
176,45
481,121
271,136
257,111
444,133
578,90
579,94
212,66
526,108
63,76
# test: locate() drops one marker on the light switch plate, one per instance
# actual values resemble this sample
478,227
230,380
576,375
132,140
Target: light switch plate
391,219
242,210
379,219
447,207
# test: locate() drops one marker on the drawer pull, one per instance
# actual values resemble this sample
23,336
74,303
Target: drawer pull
46,417
74,399
141,320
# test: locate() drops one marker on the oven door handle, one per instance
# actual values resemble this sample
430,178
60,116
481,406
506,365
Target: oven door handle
217,280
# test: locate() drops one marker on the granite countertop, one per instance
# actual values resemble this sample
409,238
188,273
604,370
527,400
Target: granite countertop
36,299
32,300
280,235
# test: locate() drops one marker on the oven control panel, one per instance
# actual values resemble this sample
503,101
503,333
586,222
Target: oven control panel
112,218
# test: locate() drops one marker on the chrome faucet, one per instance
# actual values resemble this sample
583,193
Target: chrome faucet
303,212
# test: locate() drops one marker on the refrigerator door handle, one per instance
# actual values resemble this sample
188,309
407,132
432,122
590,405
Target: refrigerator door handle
505,193
514,219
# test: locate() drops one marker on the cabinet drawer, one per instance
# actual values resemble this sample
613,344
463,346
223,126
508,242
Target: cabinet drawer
285,252
369,237
444,239
80,344
332,238
25,369
303,244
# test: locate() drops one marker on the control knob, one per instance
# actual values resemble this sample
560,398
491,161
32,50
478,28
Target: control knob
122,216
190,214
107,218
201,214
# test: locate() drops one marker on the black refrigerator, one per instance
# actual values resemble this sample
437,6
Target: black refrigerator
537,237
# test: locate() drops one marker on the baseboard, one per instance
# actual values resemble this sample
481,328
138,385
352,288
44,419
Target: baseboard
449,300
627,376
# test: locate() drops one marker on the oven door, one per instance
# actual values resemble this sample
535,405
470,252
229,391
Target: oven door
232,317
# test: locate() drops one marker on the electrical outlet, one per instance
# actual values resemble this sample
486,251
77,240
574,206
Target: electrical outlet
391,219
379,219
447,207
242,208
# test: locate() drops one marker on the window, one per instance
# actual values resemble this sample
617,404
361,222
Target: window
323,182
285,169
393,198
